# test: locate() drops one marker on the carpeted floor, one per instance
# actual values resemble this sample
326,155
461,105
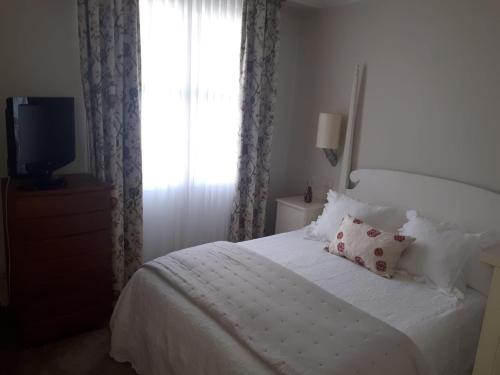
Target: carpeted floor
86,354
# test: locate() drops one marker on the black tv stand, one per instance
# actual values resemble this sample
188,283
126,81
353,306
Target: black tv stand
42,183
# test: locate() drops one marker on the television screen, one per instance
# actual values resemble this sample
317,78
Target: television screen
40,134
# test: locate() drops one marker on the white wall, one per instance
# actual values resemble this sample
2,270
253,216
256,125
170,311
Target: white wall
286,88
39,56
432,92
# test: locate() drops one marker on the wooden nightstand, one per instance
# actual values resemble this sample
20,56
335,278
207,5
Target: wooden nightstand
488,352
293,213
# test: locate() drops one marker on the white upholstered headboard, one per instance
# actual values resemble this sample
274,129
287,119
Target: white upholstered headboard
472,208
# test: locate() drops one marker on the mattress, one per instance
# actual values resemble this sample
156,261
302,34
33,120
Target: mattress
158,330
446,330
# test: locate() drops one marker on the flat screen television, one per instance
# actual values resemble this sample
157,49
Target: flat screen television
40,135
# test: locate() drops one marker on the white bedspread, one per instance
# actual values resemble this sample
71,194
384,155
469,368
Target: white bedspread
294,326
159,330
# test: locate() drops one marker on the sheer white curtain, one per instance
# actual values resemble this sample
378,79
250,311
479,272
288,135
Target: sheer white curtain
190,120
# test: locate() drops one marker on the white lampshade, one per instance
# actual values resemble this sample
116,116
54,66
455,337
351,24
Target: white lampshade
329,125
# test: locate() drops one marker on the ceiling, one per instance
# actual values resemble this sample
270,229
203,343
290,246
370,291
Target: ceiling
322,3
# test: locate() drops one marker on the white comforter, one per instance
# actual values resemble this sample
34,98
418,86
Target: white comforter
292,325
158,330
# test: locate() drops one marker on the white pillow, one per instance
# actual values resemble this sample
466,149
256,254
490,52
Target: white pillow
440,253
340,205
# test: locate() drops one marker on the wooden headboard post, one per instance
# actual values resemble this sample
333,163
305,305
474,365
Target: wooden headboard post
345,168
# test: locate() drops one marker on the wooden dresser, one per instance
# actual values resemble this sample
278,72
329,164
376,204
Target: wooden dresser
58,257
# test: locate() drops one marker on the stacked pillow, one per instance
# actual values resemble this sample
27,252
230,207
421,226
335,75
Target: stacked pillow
438,252
445,255
339,205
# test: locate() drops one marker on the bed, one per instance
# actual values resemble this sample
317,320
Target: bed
160,329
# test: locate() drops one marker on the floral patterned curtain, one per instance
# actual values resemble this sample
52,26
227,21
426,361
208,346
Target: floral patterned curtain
110,68
259,56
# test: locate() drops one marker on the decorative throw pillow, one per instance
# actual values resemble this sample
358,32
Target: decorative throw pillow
339,205
369,247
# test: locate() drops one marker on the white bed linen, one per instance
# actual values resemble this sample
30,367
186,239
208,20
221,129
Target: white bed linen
154,326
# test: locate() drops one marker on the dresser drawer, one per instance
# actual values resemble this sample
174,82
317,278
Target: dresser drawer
85,266
66,303
55,284
288,219
62,247
63,204
41,329
59,226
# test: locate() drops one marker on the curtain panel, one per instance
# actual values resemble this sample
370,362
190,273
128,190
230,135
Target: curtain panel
110,69
258,76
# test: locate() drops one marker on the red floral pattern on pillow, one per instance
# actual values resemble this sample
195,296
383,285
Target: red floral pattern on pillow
399,238
373,232
340,235
340,247
378,252
381,266
360,261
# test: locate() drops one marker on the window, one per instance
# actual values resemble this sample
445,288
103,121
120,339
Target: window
190,94
190,120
